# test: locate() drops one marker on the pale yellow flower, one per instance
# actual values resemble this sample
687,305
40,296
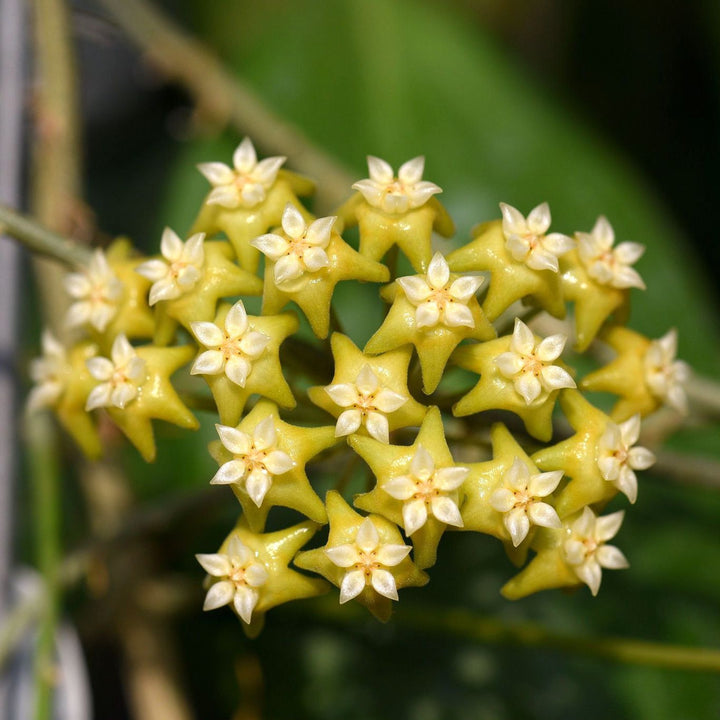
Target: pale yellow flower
530,365
232,349
519,500
439,301
96,292
119,378
368,404
256,459
585,550
366,560
527,241
606,264
398,194
236,575
246,183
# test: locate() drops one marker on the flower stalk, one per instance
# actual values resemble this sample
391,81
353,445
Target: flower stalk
494,631
42,241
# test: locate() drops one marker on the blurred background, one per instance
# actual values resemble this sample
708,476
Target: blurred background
605,108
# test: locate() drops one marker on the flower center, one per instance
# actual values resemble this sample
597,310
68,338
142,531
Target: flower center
365,402
532,241
441,298
607,257
396,187
238,574
119,377
231,347
531,364
256,459
367,562
177,267
97,294
298,247
425,489
522,499
242,180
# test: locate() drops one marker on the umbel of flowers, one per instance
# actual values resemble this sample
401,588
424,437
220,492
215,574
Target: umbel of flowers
135,321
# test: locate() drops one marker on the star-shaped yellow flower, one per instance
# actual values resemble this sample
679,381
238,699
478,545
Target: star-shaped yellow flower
507,497
645,373
510,279
62,384
418,487
433,312
580,456
519,373
598,278
368,394
593,302
190,279
133,318
304,264
240,358
134,388
251,573
570,555
397,211
365,557
248,199
263,460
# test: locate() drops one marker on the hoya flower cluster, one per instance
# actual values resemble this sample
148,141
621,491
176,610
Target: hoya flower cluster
142,319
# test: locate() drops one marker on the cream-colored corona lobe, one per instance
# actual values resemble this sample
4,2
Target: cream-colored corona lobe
48,373
96,292
367,404
407,191
528,241
119,378
180,269
426,490
246,183
236,576
256,459
586,551
302,250
618,459
529,364
519,500
231,349
439,301
606,264
664,374
366,560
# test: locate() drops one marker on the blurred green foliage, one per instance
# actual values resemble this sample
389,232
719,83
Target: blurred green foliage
397,78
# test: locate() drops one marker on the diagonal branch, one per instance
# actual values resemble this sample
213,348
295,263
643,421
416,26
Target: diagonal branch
39,239
225,97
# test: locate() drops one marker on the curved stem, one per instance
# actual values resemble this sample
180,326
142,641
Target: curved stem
688,469
489,630
46,503
42,241
639,652
704,395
